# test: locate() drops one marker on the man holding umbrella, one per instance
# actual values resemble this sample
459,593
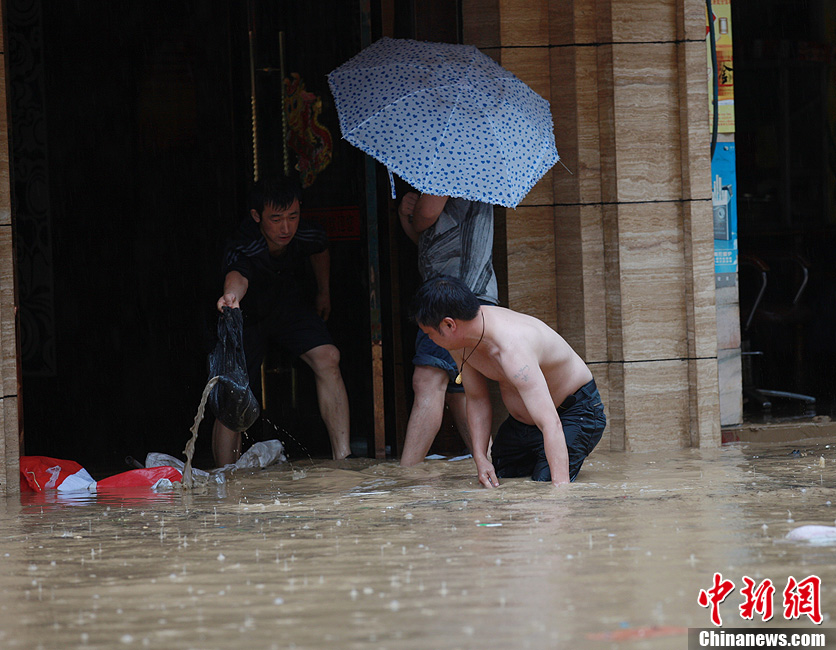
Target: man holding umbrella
455,238
451,122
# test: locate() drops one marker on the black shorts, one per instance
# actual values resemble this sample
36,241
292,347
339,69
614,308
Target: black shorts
294,329
518,449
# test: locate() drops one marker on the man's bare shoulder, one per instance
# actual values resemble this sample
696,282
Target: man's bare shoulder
508,321
519,338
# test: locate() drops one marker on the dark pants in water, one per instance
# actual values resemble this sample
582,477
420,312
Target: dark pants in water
518,449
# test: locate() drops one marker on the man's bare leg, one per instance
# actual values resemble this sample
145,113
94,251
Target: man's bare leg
226,444
324,360
458,407
430,386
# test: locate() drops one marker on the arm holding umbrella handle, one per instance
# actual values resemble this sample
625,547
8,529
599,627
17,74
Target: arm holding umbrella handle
427,210
406,209
419,212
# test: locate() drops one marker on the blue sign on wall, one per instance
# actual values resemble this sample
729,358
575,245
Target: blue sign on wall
723,188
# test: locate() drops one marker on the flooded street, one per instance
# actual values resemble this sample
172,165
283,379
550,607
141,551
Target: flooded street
364,554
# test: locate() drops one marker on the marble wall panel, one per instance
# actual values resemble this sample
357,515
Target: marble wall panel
480,23
705,404
581,282
730,380
611,378
575,104
588,80
605,88
699,278
656,405
5,180
695,131
524,22
531,65
500,252
609,440
690,20
594,284
602,10
564,103
543,191
728,318
493,52
9,453
531,271
569,271
647,122
8,332
5,446
571,21
653,317
633,245
652,277
10,438
612,283
639,21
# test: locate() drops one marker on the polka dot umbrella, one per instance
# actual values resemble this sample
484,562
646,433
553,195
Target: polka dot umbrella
446,118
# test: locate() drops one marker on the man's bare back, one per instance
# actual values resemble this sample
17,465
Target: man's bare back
514,345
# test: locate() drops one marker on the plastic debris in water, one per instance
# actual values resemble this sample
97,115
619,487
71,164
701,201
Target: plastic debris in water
812,533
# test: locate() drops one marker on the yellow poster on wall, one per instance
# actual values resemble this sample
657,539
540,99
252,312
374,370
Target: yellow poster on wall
721,21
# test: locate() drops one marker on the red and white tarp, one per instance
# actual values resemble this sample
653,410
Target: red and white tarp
40,473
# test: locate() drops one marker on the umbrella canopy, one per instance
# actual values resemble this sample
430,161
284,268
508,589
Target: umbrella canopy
446,118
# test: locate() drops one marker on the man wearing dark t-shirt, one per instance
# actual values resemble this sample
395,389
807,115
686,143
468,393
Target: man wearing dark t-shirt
264,269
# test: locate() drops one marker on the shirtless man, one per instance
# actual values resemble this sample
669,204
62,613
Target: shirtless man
556,415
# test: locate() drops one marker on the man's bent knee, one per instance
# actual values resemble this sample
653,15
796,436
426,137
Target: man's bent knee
429,379
323,358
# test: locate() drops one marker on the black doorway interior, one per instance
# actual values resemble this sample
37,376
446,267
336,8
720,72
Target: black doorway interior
786,166
131,157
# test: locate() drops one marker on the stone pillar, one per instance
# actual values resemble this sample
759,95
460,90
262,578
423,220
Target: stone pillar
9,379
617,252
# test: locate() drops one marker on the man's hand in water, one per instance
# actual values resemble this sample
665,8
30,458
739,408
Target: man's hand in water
487,474
228,300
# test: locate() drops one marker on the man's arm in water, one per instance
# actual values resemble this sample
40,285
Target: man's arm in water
523,371
479,418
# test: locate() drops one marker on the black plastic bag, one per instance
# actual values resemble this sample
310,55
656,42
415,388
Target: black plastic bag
231,400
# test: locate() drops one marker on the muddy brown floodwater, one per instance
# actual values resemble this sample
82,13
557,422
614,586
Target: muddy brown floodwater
364,554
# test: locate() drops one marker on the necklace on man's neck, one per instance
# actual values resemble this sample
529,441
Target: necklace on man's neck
465,358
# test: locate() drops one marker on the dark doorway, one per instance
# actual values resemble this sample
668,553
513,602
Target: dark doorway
131,157
785,119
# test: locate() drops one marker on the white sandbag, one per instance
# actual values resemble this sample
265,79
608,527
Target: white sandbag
262,454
